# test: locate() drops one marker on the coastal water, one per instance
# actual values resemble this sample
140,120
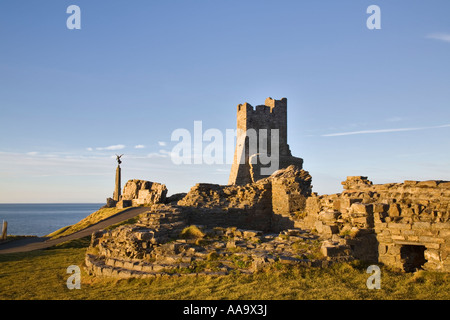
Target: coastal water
43,218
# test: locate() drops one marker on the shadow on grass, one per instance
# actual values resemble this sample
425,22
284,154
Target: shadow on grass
71,244
23,256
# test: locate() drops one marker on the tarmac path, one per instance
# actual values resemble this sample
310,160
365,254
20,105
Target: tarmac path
37,243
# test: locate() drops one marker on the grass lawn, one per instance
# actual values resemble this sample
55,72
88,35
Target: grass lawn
42,275
91,219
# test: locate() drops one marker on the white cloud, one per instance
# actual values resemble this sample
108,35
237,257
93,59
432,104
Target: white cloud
156,155
114,147
394,119
139,146
89,149
162,143
439,36
32,153
382,131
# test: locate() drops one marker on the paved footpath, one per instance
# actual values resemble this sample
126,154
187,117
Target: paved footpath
37,243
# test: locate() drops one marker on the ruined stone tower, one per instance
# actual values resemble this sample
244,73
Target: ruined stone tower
261,144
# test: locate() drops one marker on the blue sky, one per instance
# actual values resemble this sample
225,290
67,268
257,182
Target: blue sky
360,101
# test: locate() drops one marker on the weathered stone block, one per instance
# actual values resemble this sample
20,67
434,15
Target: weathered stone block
387,260
329,250
380,225
425,232
313,205
361,208
337,205
394,210
145,236
147,268
433,245
409,232
432,255
444,233
402,226
123,204
110,262
412,238
420,225
328,216
380,207
142,192
251,233
360,221
393,249
347,202
398,238
110,203
428,184
430,239
124,274
128,265
106,271
329,230
384,239
319,226
356,182
382,249
440,225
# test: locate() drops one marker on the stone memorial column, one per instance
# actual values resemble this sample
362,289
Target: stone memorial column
117,193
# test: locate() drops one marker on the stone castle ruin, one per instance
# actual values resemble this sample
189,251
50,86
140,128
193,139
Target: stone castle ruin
255,221
402,225
262,133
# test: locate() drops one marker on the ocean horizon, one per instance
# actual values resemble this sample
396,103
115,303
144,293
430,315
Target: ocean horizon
40,219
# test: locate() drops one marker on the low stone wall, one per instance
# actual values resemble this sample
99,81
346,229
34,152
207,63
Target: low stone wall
247,206
407,245
268,204
219,251
159,225
256,196
403,225
255,219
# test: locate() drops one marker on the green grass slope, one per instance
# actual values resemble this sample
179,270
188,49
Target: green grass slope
43,275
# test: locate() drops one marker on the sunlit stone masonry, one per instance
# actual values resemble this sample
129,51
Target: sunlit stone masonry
277,220
403,225
257,220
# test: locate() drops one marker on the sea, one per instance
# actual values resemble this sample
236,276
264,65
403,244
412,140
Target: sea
40,219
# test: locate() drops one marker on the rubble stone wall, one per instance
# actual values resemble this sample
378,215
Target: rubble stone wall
267,205
138,192
248,206
403,225
142,192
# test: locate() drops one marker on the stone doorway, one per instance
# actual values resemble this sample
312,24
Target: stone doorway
413,257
